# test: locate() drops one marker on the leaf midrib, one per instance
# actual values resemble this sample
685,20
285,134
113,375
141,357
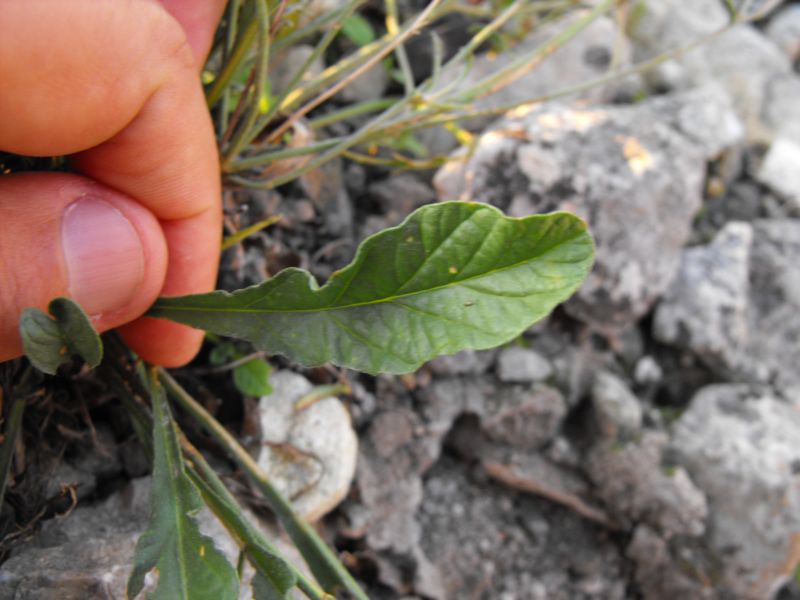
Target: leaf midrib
385,299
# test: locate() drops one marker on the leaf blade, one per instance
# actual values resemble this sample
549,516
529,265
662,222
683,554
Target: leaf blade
189,565
452,276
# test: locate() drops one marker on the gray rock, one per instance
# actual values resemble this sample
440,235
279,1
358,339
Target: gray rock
780,170
634,172
647,371
705,310
466,362
781,110
525,419
399,195
661,573
740,447
522,365
368,86
86,555
616,410
773,351
632,482
309,454
742,60
784,30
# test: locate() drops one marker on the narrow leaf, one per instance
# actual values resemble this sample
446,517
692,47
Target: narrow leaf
452,276
49,342
188,564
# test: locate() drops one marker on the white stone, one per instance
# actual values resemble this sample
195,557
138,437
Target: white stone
309,454
780,170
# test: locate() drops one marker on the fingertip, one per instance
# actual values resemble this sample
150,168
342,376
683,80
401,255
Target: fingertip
162,343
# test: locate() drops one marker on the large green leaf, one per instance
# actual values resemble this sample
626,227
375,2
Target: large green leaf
188,564
452,276
49,342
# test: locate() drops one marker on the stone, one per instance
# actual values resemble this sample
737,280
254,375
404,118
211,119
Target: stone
636,487
399,195
635,173
660,575
705,310
647,371
739,445
741,59
524,419
780,170
781,110
85,555
522,365
486,543
466,362
773,351
616,409
368,86
309,454
784,30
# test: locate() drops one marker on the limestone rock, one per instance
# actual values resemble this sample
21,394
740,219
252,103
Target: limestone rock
740,447
780,170
706,308
635,485
784,30
522,365
309,454
616,410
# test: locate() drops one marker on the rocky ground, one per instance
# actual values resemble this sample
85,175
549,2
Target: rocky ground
642,442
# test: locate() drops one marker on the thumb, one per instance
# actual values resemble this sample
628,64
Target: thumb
65,235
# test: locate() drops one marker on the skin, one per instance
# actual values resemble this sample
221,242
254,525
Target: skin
115,86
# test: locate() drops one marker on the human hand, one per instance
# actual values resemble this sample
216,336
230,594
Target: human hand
115,86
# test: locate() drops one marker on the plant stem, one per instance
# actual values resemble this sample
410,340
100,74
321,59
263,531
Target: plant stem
322,561
415,26
232,65
13,426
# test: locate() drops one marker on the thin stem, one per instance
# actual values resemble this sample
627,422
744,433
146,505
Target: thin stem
354,110
238,55
393,29
232,20
242,136
321,559
13,426
415,26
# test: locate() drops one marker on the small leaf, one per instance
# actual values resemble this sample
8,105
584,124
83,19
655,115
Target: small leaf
452,276
189,566
49,342
358,30
252,378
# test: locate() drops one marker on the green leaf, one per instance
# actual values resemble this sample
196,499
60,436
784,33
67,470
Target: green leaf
452,276
277,576
358,30
49,342
252,378
189,566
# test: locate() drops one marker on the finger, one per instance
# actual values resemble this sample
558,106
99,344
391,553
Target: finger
199,21
64,235
127,101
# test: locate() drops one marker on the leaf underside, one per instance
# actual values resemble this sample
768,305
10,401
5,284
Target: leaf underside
452,276
188,564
